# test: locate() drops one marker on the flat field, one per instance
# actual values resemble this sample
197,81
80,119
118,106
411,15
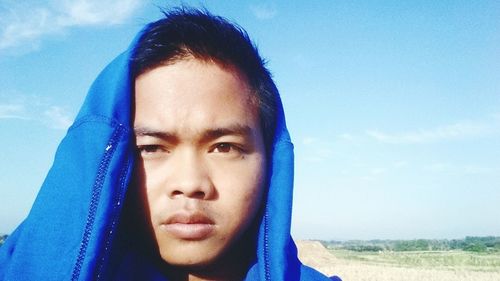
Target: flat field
399,266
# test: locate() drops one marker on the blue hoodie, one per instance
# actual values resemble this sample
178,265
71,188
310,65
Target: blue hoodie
72,230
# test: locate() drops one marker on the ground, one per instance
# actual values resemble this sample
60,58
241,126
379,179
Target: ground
382,266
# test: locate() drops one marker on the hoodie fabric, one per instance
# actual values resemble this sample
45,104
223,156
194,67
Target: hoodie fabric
72,230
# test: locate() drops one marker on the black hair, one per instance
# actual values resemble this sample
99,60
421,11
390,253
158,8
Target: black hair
185,32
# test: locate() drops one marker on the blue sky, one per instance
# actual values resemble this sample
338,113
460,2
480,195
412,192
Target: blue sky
393,106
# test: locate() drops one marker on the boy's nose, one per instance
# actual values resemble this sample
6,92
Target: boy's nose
190,177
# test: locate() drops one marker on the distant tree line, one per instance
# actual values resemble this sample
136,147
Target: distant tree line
3,237
470,243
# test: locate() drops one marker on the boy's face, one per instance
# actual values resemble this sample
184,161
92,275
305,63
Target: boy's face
201,164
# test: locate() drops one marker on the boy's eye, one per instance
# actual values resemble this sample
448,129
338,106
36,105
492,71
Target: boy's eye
145,150
223,148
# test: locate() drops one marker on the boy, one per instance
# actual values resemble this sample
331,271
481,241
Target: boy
178,167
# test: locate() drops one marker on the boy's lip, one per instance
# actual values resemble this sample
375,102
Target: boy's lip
189,218
189,225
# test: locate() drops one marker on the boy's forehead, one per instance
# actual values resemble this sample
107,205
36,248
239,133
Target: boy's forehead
194,97
234,70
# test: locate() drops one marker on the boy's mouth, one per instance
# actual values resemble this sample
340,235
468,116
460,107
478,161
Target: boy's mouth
188,226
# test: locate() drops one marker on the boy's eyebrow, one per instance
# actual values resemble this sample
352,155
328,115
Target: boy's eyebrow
147,132
206,135
232,130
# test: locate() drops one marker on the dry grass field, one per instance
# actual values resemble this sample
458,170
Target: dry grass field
408,266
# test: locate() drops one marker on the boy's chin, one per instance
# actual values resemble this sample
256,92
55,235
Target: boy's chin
189,262
196,255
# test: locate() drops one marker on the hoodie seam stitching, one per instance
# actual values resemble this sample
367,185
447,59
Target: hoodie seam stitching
267,272
96,194
117,206
95,118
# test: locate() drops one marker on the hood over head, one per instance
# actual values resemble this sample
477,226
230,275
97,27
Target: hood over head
72,228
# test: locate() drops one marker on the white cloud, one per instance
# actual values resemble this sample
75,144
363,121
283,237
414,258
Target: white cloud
264,11
400,164
481,170
17,29
346,137
57,118
377,171
440,167
25,23
92,12
37,110
12,111
449,168
455,131
309,140
315,150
